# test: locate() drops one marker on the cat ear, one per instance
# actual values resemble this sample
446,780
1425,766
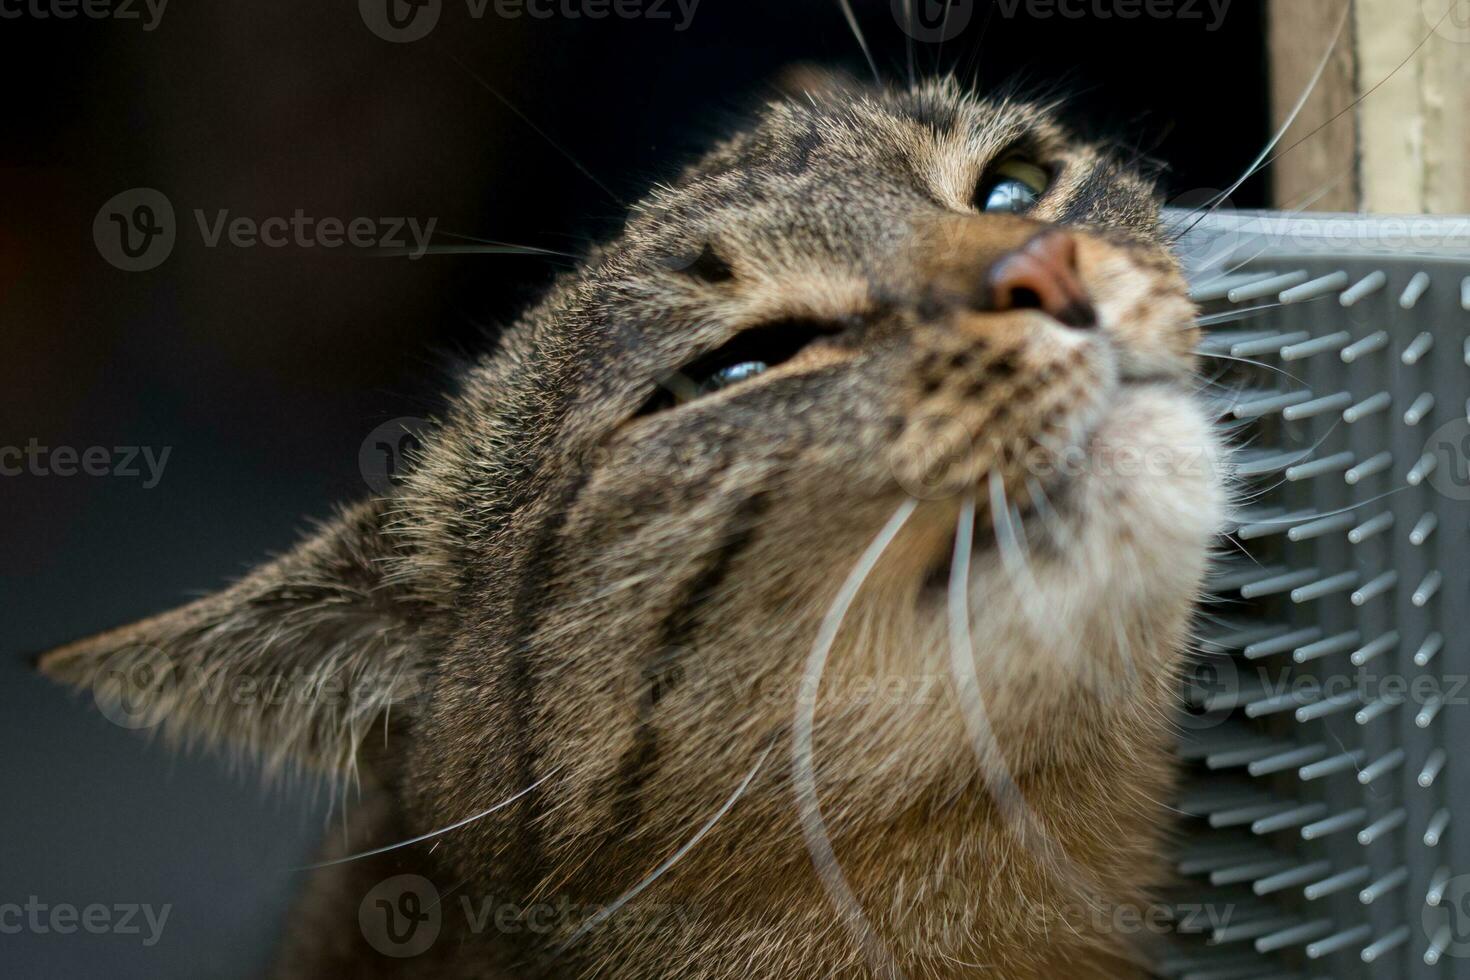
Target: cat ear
807,80
293,664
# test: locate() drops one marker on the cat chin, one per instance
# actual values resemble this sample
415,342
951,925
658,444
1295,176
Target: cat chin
1124,550
1149,496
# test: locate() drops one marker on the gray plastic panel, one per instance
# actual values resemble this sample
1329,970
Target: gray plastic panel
1352,335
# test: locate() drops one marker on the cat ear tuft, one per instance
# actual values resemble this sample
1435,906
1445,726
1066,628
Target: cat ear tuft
293,664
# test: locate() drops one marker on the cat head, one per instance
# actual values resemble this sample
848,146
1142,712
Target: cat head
609,568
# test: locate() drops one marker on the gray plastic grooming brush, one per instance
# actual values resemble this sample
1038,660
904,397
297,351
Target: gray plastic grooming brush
1327,745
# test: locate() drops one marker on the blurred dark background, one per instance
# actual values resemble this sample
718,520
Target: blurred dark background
264,369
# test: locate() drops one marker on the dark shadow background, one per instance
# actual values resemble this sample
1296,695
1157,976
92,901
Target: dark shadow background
265,369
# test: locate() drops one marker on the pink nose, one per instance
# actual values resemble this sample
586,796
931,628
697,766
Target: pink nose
1042,275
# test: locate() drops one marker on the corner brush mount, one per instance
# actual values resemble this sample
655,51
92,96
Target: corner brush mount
1326,740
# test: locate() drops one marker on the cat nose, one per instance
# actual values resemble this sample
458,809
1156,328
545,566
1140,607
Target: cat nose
1042,275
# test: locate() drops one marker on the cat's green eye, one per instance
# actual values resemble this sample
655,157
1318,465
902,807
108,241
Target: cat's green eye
1012,186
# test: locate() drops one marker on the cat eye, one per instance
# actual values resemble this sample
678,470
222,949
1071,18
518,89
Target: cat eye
748,354
734,374
1012,186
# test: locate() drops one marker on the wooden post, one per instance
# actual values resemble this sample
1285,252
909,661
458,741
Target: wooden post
1405,147
1321,172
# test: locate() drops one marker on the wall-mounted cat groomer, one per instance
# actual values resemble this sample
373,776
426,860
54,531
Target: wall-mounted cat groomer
1327,741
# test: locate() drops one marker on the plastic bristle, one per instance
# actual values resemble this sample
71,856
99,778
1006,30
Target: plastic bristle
1320,345
1422,469
1377,587
1344,939
1317,406
1268,405
1414,290
1313,288
1330,766
1437,946
1387,944
1381,766
1436,828
1333,824
1368,406
1381,826
1380,645
1294,817
1375,341
1437,885
1431,769
1423,528
1422,406
1365,286
1295,936
1218,288
1431,646
1339,882
1374,525
1270,286
1368,467
1268,344
1327,647
1321,526
1421,345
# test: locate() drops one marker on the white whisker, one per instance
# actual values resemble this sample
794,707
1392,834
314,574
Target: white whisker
857,32
433,833
1261,160
1009,540
689,845
813,827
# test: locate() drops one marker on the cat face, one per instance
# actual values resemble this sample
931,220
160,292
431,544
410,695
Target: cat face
714,418
607,571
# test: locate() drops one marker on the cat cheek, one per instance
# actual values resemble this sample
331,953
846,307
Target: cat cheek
1145,308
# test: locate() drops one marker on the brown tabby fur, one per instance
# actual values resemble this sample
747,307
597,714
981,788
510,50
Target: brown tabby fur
620,605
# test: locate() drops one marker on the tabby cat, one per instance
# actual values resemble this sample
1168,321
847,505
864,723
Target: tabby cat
779,598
